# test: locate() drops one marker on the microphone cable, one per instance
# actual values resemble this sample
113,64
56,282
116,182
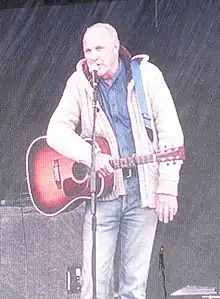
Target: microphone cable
162,269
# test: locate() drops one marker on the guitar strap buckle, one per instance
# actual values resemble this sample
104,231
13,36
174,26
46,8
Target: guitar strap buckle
129,172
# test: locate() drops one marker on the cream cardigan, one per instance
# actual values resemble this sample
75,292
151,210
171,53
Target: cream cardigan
76,104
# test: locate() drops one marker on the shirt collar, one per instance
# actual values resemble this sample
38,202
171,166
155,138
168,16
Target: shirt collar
118,72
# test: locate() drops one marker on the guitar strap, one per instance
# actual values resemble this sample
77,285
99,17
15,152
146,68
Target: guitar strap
136,74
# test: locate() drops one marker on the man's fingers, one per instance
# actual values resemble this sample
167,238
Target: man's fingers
165,212
160,216
166,207
103,165
104,171
171,214
101,173
160,211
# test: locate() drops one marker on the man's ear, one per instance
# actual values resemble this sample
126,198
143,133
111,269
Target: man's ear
117,46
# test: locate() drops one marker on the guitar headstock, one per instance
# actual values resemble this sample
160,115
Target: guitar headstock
171,154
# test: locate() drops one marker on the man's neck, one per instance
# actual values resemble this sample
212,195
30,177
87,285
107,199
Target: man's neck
109,78
109,81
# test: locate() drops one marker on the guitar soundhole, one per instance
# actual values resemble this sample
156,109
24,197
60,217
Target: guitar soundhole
80,172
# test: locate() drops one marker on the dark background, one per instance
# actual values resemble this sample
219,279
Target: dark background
39,47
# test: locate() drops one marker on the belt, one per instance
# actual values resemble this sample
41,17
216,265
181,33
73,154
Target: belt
129,172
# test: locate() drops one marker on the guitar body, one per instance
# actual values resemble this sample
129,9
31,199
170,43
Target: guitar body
56,182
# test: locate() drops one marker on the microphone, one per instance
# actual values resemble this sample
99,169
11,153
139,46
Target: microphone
93,71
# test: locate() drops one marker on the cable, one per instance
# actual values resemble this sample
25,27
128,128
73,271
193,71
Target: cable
162,269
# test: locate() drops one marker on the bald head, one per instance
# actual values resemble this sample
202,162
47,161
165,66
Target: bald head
110,30
101,49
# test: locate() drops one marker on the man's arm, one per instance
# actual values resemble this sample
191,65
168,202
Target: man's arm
169,134
61,134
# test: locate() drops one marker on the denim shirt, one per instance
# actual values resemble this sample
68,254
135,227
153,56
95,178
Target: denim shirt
113,101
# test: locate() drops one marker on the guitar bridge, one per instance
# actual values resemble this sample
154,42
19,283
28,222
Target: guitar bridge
56,173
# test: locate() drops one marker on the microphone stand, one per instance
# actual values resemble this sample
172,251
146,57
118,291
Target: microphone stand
93,183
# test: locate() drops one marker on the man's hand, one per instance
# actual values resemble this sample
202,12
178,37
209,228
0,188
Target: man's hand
166,207
102,164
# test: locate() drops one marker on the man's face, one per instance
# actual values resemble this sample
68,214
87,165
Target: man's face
101,52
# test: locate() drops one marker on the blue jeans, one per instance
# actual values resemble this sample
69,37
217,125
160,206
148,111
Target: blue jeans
137,228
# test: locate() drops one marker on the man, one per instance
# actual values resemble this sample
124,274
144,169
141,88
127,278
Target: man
140,195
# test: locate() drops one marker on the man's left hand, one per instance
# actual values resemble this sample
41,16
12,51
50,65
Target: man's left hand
166,207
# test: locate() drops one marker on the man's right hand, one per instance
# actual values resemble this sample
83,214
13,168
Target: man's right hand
102,164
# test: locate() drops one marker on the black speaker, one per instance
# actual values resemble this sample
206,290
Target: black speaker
37,251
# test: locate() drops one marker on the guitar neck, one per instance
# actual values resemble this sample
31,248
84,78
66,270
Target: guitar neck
167,155
131,161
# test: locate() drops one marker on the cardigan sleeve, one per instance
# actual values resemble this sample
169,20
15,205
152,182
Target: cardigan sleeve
61,135
169,131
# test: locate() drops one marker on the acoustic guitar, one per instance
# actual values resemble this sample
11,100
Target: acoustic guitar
56,182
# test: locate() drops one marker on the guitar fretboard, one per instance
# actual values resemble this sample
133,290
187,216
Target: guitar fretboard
131,161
